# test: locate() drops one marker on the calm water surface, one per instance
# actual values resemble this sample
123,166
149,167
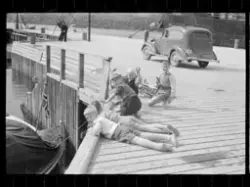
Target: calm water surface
15,93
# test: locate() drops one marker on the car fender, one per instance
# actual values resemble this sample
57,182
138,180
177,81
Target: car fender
151,46
179,50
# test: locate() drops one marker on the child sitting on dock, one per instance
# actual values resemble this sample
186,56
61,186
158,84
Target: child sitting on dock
111,130
130,102
133,78
166,87
133,122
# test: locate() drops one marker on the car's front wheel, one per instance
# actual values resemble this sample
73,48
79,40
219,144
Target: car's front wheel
175,59
146,54
203,64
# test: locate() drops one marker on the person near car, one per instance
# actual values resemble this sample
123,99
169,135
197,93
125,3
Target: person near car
130,102
166,87
64,30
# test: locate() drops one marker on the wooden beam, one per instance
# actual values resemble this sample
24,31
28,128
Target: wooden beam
81,70
83,156
105,81
89,27
48,58
62,72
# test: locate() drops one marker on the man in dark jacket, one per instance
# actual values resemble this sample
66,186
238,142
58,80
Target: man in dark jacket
64,30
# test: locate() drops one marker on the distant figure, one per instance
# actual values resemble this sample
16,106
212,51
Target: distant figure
64,30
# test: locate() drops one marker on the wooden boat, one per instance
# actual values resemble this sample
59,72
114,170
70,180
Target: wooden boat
33,152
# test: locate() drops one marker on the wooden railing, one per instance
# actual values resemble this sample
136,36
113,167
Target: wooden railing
73,65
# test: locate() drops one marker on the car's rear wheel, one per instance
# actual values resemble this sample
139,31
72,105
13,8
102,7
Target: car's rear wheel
203,64
146,54
175,59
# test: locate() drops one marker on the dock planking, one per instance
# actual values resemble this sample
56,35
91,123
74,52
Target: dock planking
212,140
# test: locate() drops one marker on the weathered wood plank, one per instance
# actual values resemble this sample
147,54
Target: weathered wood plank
186,140
79,164
215,169
177,165
144,162
147,152
230,165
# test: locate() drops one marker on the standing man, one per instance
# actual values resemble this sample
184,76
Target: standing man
64,30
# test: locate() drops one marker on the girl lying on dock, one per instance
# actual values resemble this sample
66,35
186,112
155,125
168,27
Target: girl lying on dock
166,87
122,133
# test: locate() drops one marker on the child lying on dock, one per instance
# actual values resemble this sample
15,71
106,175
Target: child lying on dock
133,122
122,133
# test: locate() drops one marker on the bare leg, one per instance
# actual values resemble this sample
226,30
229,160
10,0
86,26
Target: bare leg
157,128
156,99
151,145
155,137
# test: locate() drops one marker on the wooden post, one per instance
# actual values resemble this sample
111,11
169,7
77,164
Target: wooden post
89,28
105,81
48,58
81,71
62,72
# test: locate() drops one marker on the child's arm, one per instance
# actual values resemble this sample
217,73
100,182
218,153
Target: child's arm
113,116
117,91
111,97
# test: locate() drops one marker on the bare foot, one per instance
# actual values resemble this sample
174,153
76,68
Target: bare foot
166,147
174,130
173,140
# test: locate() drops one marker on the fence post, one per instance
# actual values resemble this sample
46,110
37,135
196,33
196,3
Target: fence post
236,43
81,70
104,90
62,72
48,58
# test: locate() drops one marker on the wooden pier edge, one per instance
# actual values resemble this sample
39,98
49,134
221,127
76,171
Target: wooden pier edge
83,156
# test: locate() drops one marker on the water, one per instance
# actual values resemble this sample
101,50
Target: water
15,93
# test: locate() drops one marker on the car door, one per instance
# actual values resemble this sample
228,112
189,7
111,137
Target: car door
162,43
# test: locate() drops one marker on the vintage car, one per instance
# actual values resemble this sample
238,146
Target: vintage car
182,44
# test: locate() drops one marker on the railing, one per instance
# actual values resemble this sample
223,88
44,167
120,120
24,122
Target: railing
89,77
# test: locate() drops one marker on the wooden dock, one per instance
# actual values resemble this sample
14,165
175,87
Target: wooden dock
210,116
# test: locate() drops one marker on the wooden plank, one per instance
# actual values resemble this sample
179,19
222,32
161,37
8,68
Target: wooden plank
86,93
62,74
81,71
177,165
184,145
48,59
232,162
231,166
193,139
103,95
81,160
147,152
144,162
